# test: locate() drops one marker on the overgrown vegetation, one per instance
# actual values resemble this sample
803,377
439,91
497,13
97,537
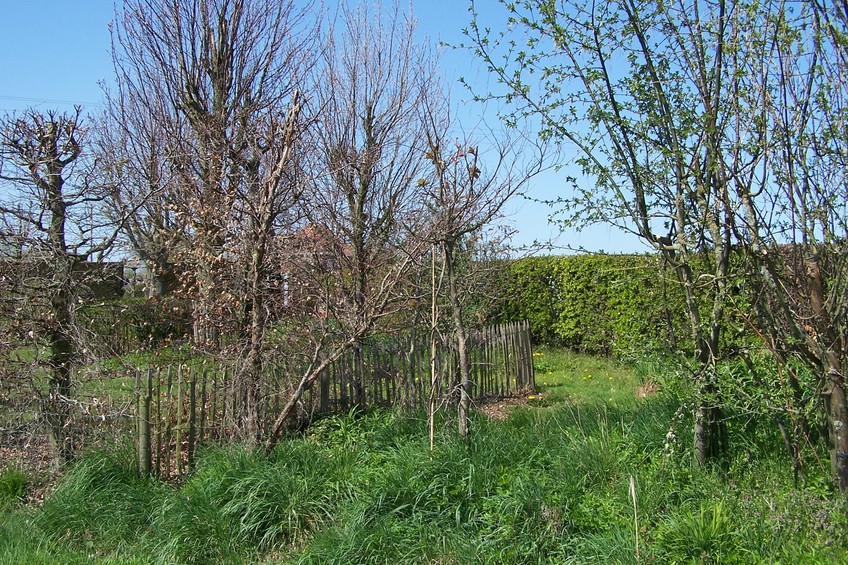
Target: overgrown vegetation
549,484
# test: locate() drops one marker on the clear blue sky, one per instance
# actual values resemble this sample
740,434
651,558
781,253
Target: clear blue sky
55,53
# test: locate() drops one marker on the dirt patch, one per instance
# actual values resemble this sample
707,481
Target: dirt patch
650,388
499,408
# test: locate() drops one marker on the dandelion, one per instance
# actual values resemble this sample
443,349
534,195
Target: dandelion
531,397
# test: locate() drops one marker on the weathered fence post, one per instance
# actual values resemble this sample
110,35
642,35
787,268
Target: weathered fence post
167,420
158,420
179,424
192,413
324,385
202,428
528,355
143,421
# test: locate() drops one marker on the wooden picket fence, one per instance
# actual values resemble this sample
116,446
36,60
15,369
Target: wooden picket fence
180,407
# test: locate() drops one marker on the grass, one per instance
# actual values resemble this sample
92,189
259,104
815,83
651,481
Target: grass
13,486
565,377
550,484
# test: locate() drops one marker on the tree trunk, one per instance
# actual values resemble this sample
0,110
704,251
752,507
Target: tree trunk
206,335
249,382
837,415
461,341
835,401
62,349
163,278
57,408
62,352
710,428
159,288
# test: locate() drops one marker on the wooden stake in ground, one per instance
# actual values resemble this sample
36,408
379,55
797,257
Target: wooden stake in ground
635,514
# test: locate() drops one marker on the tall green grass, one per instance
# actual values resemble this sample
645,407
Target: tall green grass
550,484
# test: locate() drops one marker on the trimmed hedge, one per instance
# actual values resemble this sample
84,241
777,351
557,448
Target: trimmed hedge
598,304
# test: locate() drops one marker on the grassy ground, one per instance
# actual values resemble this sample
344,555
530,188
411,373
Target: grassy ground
552,483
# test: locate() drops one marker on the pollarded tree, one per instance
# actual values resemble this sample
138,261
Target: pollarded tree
216,77
214,86
50,226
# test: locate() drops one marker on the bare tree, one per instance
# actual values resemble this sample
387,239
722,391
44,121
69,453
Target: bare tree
136,154
368,153
50,226
266,162
369,142
466,189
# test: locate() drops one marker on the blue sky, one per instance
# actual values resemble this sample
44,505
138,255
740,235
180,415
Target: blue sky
55,53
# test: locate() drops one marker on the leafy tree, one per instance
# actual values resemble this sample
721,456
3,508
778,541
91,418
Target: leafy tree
637,87
794,212
707,127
